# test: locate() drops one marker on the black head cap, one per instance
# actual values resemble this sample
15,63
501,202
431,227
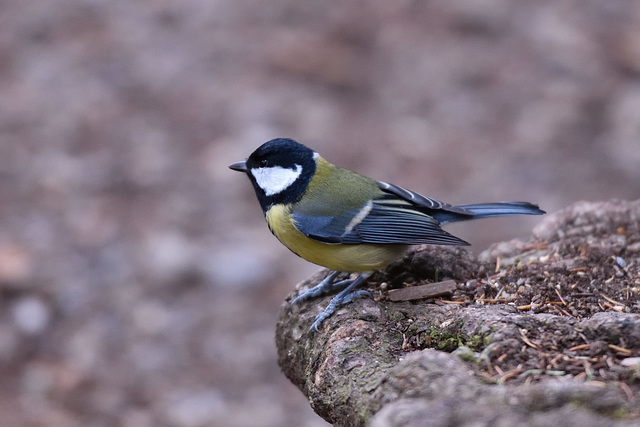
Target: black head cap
283,152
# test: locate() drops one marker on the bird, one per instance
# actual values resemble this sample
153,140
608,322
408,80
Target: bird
347,222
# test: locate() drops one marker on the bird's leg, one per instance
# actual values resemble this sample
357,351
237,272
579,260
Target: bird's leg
345,296
324,287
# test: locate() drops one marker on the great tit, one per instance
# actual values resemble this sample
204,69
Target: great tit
348,222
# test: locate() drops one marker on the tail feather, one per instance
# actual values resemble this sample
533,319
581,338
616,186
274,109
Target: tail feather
487,210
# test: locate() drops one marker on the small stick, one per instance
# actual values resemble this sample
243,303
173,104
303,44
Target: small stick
579,347
560,296
611,300
430,290
622,350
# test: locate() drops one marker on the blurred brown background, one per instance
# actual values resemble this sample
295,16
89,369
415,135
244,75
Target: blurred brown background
139,285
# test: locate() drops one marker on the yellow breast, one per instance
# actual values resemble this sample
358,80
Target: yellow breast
350,258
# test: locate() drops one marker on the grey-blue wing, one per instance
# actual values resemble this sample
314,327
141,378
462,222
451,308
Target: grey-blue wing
327,229
388,220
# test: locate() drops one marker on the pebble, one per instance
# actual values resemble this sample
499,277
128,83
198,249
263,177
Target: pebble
630,361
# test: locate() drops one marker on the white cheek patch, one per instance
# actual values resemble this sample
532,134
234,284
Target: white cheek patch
275,179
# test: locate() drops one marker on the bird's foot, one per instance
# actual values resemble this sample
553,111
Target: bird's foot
346,296
325,287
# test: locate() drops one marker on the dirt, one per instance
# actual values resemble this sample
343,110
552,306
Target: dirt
566,286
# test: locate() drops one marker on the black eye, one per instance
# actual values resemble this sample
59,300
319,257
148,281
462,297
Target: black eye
264,163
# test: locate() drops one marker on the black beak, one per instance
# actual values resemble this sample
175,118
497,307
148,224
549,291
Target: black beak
239,166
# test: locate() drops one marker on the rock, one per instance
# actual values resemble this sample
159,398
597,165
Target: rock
384,363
